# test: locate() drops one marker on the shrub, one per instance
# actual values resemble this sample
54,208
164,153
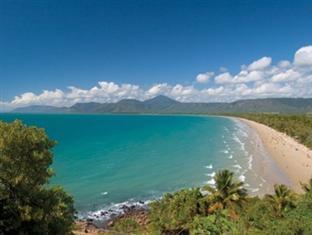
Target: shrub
175,212
218,223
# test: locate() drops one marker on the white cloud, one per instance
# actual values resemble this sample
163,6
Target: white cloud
204,77
289,75
284,64
269,88
258,80
214,91
223,78
260,64
303,56
159,89
245,76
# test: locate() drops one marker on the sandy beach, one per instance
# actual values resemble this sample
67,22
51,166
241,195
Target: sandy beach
293,158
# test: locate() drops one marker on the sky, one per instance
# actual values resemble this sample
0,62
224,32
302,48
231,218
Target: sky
55,52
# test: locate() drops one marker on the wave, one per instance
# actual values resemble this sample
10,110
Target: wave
242,144
242,178
209,166
250,161
254,190
211,174
244,133
237,166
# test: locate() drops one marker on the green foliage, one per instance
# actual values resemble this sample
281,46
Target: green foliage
283,199
257,214
295,221
27,206
296,126
215,224
227,209
174,212
227,193
127,225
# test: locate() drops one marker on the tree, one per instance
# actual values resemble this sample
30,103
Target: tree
283,199
227,193
27,204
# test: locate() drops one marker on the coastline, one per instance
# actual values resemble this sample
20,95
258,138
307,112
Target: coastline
272,160
293,158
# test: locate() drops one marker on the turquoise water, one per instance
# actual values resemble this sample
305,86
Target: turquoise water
107,159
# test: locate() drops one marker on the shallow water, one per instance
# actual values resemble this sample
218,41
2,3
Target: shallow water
104,160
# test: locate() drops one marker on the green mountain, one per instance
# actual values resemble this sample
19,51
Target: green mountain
166,105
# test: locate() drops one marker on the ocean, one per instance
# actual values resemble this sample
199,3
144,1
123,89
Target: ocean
106,161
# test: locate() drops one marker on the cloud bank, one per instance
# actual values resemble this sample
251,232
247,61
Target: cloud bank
259,79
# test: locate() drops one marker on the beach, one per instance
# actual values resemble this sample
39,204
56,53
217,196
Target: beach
293,158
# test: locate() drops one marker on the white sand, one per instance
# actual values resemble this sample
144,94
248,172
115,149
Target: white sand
292,157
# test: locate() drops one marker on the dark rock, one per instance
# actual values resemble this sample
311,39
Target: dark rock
124,207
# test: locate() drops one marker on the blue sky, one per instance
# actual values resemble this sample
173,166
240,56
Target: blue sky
49,45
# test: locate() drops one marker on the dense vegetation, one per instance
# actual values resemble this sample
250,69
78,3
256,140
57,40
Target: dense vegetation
296,126
27,204
227,209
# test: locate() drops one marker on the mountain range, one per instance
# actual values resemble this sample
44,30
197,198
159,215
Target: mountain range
165,105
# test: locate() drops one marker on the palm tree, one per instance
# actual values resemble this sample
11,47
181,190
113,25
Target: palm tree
307,187
282,199
227,193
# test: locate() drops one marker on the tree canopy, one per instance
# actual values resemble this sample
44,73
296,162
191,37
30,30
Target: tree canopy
27,204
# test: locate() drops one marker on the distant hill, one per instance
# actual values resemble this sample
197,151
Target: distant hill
41,109
166,105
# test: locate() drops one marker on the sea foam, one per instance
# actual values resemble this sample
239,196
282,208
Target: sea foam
237,166
242,178
211,174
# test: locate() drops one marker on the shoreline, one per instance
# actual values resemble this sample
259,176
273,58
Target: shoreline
276,165
262,171
293,158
